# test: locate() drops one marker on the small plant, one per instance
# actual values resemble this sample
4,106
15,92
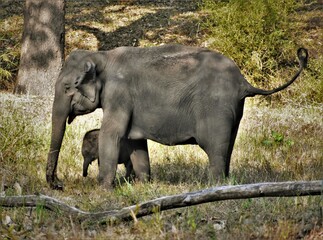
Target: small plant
191,220
277,138
40,211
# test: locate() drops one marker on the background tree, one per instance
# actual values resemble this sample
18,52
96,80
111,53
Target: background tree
42,50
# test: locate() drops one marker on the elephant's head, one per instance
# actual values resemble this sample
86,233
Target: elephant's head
77,92
84,90
90,150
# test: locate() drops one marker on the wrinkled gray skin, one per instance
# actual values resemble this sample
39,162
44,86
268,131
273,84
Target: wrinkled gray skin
90,152
170,94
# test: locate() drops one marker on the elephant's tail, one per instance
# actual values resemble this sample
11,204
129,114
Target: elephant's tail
302,55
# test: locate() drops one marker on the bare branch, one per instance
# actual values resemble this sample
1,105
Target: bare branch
279,189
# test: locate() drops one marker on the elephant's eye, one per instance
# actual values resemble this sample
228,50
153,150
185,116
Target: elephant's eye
77,81
67,87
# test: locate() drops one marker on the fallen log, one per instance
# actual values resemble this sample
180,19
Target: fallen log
278,189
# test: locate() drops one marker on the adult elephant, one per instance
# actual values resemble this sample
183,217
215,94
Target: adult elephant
171,94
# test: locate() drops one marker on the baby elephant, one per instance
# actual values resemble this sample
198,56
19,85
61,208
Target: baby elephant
90,152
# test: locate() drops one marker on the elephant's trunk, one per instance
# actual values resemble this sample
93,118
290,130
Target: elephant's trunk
61,109
84,172
86,166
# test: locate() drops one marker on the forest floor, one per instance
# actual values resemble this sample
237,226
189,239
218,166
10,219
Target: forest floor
275,143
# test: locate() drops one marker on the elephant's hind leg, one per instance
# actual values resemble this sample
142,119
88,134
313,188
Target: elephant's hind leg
140,160
215,138
130,174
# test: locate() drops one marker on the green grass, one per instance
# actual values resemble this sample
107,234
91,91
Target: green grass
255,33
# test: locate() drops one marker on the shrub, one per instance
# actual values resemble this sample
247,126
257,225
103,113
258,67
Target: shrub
252,32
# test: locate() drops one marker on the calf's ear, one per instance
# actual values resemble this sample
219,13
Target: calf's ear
87,83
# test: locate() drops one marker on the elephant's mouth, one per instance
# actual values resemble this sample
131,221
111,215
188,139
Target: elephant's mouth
77,109
80,105
71,117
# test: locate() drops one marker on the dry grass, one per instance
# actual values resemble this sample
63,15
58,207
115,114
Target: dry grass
275,143
294,153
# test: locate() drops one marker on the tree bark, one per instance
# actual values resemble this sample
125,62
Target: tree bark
280,189
42,50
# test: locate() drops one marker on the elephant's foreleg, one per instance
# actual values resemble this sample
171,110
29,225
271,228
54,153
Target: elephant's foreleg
109,146
51,171
112,130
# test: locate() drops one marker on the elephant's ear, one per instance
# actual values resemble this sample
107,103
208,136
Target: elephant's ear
87,83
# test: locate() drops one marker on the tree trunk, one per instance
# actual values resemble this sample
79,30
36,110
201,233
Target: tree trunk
42,51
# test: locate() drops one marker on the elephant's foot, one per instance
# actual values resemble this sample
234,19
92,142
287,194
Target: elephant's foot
54,183
216,174
107,185
57,186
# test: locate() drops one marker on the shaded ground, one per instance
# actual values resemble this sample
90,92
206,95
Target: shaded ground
102,25
137,22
